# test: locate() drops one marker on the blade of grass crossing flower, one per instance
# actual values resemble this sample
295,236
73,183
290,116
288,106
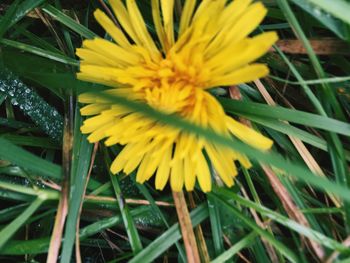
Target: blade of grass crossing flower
228,254
269,158
82,150
27,160
69,22
251,224
128,220
7,232
169,237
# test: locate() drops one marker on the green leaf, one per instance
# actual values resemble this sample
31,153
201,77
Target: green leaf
6,19
24,8
276,112
31,141
251,224
27,160
291,224
7,232
69,22
337,8
40,52
228,254
215,223
337,26
82,150
169,237
128,220
291,130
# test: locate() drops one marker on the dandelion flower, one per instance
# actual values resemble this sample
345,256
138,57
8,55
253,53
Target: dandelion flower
209,48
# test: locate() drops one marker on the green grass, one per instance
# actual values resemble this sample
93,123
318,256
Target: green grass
313,97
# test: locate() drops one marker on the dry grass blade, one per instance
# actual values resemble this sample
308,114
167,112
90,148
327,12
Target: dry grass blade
269,248
186,228
46,20
291,209
298,144
203,250
236,94
56,238
325,46
282,193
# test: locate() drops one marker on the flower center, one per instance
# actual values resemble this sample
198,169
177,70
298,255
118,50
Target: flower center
175,85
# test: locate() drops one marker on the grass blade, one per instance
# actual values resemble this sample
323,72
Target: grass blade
129,223
27,160
82,150
69,22
7,232
228,254
169,237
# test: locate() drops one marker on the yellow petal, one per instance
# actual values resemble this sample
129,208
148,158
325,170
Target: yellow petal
158,24
251,18
94,58
124,19
255,48
132,164
242,75
190,173
163,171
94,123
99,133
203,173
93,109
248,135
113,51
177,176
223,170
186,15
95,78
167,7
244,160
140,29
111,29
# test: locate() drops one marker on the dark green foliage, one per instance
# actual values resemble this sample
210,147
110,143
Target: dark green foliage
122,221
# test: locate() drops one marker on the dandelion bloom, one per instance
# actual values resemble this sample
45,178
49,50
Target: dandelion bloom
209,48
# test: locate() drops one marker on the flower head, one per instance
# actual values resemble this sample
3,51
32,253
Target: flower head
210,48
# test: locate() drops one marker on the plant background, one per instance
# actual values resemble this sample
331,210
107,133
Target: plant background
279,211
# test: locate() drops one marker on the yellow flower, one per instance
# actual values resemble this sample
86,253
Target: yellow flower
209,48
